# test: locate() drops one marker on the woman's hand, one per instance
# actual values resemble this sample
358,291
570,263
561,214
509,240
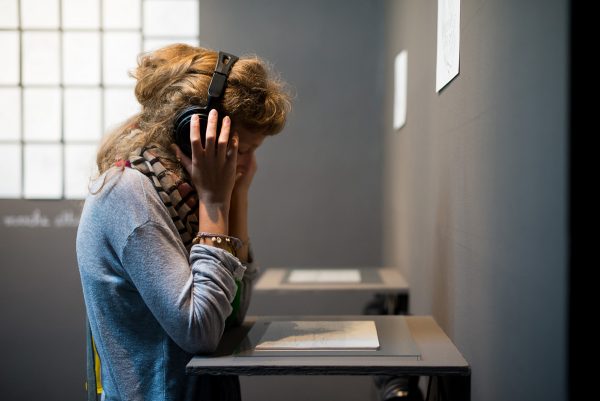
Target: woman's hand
212,167
244,175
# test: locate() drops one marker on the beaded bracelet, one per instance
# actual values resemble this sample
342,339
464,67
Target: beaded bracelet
233,242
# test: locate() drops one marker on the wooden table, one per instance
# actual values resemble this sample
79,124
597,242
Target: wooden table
438,356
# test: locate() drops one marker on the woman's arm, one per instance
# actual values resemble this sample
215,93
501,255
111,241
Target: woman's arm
238,227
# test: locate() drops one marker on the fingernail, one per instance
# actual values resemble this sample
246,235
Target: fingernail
213,113
226,120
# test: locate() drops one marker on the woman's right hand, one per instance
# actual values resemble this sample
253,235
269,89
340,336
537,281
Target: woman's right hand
212,167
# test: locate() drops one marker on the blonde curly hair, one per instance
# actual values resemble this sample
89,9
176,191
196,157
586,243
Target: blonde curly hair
176,76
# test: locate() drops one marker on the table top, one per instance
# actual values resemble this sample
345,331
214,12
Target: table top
439,356
383,279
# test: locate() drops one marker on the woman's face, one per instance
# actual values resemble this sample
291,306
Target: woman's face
249,141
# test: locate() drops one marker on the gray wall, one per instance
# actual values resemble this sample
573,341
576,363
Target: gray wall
317,193
42,317
316,196
475,188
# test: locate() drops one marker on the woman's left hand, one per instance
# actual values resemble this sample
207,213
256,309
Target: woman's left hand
244,176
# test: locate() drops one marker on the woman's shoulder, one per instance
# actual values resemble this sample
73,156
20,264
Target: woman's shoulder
117,182
124,193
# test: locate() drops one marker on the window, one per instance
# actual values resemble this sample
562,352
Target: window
64,82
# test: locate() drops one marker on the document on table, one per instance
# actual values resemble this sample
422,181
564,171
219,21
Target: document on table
324,276
319,335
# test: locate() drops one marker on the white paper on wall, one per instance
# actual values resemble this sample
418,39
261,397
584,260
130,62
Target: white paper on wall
43,171
10,114
171,18
10,185
448,42
9,48
400,88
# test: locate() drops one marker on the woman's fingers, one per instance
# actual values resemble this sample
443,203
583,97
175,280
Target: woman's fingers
211,132
224,139
195,141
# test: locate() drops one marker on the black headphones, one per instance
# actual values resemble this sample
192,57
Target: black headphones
181,127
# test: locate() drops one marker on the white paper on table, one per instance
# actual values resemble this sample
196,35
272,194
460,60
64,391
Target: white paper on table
324,276
448,42
319,335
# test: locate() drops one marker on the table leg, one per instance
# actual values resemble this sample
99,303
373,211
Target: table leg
456,387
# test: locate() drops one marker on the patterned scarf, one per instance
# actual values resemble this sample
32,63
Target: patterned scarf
174,190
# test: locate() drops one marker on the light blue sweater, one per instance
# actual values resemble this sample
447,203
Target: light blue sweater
150,303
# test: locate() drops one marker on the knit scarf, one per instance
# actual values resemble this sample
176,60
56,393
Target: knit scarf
178,196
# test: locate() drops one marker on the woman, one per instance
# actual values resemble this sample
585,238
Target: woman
155,291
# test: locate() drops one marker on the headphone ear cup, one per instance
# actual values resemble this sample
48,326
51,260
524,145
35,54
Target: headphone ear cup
182,128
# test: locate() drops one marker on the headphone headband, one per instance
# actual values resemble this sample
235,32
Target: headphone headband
216,89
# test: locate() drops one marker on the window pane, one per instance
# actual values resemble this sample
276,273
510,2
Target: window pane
39,13
171,18
82,114
81,58
41,114
40,58
9,49
43,171
10,114
153,44
80,14
120,56
10,185
121,14
8,16
119,105
80,161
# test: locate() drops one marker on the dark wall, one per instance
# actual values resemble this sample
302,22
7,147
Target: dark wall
475,188
42,334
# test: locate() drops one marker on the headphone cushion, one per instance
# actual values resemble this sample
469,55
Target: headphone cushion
182,127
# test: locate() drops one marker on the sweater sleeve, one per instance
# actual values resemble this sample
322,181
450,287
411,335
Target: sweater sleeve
189,294
189,298
251,274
